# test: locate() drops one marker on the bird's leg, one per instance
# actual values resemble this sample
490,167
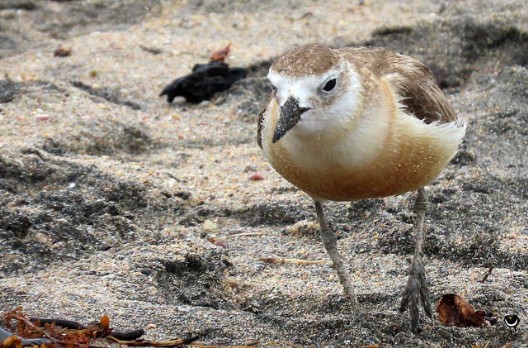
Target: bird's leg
330,244
417,283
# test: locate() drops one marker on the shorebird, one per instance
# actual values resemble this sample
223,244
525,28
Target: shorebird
354,123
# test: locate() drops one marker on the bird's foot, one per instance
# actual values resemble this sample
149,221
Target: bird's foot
415,291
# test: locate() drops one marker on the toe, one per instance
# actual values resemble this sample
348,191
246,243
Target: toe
416,292
423,288
413,304
426,300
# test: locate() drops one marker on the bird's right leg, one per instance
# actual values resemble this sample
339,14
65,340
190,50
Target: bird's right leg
417,288
330,243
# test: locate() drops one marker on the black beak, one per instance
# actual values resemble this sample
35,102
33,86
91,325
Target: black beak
290,114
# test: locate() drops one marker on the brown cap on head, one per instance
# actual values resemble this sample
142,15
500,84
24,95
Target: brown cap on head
306,60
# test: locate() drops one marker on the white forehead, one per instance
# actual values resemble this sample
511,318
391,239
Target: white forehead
301,87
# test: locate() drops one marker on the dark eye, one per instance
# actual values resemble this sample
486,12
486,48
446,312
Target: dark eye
329,85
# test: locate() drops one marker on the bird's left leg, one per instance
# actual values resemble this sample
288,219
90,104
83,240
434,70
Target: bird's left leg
416,288
330,243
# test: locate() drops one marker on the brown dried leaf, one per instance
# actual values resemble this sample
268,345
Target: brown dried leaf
59,337
62,52
220,54
453,310
11,341
105,322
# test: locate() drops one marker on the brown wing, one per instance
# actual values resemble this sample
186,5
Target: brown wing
413,80
421,95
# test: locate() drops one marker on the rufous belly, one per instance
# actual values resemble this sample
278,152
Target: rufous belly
408,165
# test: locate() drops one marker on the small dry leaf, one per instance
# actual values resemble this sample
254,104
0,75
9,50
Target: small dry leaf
105,322
220,54
11,341
453,310
62,52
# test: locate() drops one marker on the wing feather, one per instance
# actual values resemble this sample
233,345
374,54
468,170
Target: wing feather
420,93
413,81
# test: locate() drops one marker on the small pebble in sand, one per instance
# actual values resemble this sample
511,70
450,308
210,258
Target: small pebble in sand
42,117
250,168
216,240
210,226
445,334
255,177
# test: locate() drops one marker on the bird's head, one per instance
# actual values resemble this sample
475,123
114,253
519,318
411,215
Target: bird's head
315,88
